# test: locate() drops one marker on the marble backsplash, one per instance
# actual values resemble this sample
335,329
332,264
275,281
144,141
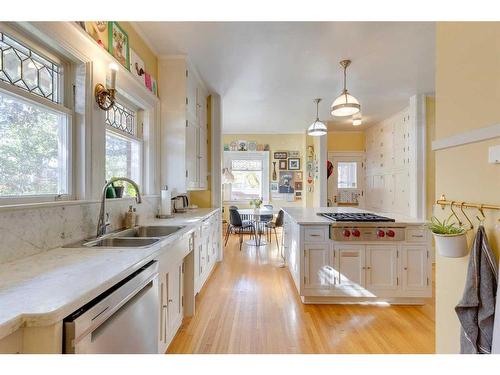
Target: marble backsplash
25,232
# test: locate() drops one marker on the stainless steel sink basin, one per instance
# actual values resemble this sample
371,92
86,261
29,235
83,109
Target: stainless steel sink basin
122,242
148,231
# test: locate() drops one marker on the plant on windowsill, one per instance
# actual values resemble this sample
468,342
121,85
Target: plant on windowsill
256,203
451,240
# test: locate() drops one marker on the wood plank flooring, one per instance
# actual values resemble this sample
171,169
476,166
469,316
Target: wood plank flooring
250,305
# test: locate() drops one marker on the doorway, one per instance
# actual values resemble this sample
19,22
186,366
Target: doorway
347,179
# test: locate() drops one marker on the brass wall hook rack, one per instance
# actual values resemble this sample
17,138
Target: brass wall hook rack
443,202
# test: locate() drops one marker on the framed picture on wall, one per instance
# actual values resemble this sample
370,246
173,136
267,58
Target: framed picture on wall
286,183
280,155
282,165
274,187
293,154
293,164
118,44
98,30
298,176
298,185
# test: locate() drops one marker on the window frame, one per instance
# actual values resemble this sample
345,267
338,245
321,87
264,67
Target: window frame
137,138
24,95
229,156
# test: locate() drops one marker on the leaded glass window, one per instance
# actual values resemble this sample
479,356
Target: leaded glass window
29,70
121,118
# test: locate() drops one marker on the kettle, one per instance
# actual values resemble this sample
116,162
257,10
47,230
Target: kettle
180,203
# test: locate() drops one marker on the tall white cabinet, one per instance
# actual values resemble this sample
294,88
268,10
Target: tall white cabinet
183,126
395,164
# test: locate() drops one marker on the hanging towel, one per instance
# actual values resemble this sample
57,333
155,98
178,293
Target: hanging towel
476,310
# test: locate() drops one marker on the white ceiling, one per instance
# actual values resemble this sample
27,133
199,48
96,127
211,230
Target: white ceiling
267,73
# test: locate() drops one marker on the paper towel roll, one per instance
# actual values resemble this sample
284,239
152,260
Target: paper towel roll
166,202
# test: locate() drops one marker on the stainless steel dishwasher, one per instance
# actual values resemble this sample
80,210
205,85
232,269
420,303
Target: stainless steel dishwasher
124,319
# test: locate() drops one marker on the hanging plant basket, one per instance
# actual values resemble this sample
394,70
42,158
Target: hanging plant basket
450,239
451,245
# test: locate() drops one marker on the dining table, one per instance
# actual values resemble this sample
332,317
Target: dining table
255,215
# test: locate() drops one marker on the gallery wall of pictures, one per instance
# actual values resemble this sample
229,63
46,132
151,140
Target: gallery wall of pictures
114,39
285,172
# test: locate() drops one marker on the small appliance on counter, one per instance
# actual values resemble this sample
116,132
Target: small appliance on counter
180,203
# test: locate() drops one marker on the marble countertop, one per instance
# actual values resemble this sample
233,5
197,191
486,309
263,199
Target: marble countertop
44,288
309,216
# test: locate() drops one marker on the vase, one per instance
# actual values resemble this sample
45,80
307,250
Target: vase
275,176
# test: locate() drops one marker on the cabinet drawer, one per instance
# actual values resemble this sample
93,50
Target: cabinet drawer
316,234
416,235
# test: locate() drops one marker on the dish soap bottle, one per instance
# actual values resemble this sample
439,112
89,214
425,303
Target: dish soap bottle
130,218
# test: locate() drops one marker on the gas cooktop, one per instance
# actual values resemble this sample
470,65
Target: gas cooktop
355,217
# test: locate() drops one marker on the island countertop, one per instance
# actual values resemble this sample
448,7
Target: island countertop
309,216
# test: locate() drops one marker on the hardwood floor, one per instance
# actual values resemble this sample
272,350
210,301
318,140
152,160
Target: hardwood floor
250,305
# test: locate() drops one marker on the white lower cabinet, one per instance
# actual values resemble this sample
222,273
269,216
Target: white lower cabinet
171,276
350,265
415,262
381,266
399,272
318,270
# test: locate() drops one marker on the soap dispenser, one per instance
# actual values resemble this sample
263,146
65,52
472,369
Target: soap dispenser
130,218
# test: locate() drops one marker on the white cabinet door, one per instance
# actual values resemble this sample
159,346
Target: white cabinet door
350,265
192,173
318,270
165,327
192,85
203,158
175,296
381,262
415,266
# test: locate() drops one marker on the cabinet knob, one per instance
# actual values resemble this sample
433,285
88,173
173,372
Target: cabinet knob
406,268
170,301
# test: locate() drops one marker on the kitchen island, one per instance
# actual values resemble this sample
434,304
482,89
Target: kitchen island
357,262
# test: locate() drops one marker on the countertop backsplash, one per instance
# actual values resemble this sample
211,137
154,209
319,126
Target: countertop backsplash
25,232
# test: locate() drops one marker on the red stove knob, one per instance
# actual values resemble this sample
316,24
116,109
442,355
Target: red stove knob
356,233
390,233
380,233
347,233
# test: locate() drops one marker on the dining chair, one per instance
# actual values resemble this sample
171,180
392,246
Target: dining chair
238,226
264,219
278,223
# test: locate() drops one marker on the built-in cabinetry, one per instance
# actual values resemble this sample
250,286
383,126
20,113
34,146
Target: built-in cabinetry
395,162
334,271
184,267
183,126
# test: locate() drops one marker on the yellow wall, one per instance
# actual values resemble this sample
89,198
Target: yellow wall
142,49
204,198
278,142
346,141
467,97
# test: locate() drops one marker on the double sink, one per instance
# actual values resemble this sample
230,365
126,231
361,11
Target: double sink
138,237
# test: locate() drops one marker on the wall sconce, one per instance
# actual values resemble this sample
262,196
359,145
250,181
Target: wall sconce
105,97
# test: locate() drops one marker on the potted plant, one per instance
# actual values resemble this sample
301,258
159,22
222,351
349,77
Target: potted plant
451,240
256,203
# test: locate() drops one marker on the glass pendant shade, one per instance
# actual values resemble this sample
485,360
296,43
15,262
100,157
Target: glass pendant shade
317,129
345,105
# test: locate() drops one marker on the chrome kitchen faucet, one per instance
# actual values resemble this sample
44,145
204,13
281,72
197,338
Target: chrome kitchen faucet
101,223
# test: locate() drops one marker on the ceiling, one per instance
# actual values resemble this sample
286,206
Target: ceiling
268,73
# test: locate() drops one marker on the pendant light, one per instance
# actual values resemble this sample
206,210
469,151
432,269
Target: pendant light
317,128
345,104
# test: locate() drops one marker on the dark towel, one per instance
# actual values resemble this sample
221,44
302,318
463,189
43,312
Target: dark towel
476,310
